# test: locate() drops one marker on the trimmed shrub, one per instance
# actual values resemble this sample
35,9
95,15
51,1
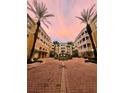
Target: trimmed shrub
75,53
52,53
35,59
88,54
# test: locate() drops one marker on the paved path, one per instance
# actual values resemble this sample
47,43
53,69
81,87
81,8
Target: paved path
72,76
63,82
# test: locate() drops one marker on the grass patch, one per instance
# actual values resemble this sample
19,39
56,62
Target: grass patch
35,60
63,58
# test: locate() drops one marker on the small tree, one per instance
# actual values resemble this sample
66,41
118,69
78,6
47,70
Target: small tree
52,53
75,53
56,46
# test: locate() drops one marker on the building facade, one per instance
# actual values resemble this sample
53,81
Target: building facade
63,49
93,26
43,44
31,28
82,42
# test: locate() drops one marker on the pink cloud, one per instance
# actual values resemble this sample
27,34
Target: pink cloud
65,26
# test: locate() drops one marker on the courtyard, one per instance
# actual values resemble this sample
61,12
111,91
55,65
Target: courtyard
56,76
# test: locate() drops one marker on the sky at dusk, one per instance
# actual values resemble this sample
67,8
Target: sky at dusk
65,26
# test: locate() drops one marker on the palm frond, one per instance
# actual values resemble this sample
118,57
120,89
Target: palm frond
94,17
45,24
84,15
91,12
41,12
30,7
91,9
48,15
43,9
87,14
40,8
80,18
48,21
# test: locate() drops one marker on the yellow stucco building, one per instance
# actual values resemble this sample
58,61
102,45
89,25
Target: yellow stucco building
94,30
43,43
82,42
31,28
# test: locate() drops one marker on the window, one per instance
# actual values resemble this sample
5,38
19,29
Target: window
83,39
86,31
62,51
82,33
88,45
41,40
62,47
44,42
84,45
87,37
40,48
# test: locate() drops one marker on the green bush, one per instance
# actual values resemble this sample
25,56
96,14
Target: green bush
69,57
52,53
63,58
36,51
75,53
84,55
35,59
56,56
88,54
66,57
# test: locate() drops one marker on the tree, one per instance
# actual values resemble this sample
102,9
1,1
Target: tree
41,14
56,46
75,53
52,53
86,17
70,43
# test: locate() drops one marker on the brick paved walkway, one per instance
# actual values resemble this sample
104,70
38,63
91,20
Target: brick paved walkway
63,82
82,78
52,77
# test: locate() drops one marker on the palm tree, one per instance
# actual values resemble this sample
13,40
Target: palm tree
86,17
40,11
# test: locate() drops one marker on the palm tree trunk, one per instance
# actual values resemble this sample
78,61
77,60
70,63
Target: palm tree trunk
91,38
35,38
